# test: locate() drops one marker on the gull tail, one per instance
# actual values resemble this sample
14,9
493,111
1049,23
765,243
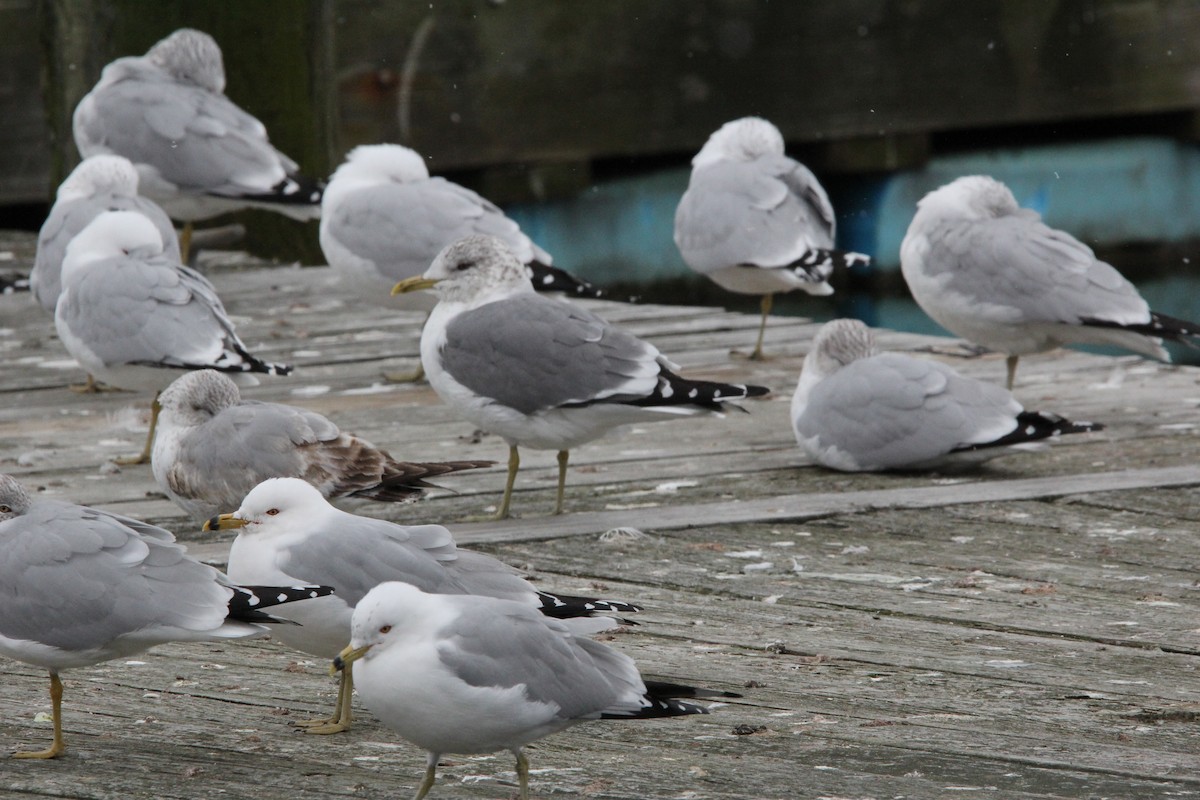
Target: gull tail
298,196
11,283
662,700
1035,425
565,606
1160,326
817,264
405,480
248,601
674,390
546,278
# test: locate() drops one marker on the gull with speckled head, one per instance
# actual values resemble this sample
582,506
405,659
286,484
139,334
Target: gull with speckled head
213,447
539,372
993,273
135,318
80,586
384,219
465,674
755,221
859,410
197,152
98,184
286,528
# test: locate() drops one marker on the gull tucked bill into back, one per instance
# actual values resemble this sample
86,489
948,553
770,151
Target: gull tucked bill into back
79,586
100,183
286,528
198,154
992,272
464,674
859,410
135,319
213,447
539,372
755,221
384,219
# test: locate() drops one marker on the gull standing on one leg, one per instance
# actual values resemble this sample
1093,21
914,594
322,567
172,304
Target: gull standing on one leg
993,273
755,221
539,372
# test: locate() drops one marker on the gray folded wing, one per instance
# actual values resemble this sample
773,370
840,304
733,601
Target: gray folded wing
531,354
891,411
77,578
767,212
1016,270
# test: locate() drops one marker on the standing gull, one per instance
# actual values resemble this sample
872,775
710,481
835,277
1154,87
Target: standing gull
286,528
100,183
755,221
384,219
197,152
134,318
538,372
79,586
858,410
463,674
992,272
213,447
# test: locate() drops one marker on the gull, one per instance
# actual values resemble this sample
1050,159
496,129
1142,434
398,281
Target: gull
134,318
755,221
384,219
80,586
992,272
858,410
98,184
286,528
213,447
540,372
465,674
198,153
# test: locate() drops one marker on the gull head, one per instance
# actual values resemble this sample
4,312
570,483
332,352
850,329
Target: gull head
971,197
277,505
196,397
113,234
383,616
742,139
372,164
192,56
14,500
838,343
475,269
100,173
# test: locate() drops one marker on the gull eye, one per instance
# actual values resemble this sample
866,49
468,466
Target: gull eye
385,629
464,265
5,508
272,512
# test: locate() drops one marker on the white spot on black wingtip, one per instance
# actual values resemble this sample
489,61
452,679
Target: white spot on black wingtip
282,597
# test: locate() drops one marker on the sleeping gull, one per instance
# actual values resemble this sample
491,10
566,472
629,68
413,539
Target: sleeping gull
81,586
134,318
384,219
992,272
755,221
198,153
859,410
466,674
213,447
286,528
100,183
539,372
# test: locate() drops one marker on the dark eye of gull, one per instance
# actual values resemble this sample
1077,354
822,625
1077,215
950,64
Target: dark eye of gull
464,265
385,629
272,512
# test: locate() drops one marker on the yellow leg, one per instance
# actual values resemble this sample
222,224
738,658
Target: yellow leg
514,463
563,455
56,748
757,355
144,456
342,715
185,242
1012,370
522,776
430,775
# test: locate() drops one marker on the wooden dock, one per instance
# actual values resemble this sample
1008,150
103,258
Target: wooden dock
1028,630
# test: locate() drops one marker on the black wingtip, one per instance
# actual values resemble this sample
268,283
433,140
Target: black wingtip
248,602
565,606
